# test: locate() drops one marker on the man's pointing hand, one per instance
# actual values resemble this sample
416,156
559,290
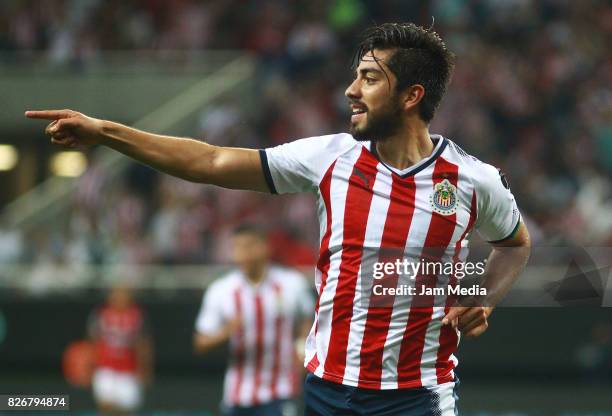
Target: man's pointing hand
69,128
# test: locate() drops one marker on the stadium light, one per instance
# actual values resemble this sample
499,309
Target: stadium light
69,164
9,156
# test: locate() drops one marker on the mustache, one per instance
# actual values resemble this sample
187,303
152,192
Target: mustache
357,103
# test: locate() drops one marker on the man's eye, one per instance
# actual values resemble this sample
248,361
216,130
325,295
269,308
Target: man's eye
369,80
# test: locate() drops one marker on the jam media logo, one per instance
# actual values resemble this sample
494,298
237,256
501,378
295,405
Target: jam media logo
444,198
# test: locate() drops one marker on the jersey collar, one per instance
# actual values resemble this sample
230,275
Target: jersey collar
252,285
439,146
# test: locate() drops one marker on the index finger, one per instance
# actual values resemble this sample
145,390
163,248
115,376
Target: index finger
48,114
455,312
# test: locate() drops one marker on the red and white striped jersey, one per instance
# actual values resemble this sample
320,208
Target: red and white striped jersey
363,206
262,353
116,332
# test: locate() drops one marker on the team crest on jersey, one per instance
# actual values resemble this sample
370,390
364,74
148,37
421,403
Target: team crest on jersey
444,198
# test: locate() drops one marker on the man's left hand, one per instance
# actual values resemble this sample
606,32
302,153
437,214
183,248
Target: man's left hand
470,320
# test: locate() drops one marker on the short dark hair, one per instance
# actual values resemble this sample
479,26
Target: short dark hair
251,229
420,57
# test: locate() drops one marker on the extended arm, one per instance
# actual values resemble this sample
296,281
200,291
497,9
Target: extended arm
188,159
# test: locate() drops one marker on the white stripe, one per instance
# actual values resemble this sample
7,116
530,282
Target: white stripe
249,337
372,241
286,363
310,349
228,383
228,283
447,405
338,190
269,309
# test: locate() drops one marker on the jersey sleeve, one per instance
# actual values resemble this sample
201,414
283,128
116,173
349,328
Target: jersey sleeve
498,215
210,317
299,166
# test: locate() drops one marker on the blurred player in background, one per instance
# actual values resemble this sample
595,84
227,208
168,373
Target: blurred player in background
265,312
387,185
124,353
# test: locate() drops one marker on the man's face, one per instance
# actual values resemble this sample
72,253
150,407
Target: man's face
120,297
375,107
249,250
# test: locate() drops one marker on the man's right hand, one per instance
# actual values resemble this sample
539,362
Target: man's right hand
189,159
70,128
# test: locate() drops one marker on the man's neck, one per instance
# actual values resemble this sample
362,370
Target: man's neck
256,274
407,148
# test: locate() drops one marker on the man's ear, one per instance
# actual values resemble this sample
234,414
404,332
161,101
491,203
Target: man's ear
413,96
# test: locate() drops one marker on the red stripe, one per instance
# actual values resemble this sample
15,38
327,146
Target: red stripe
393,242
324,253
259,328
238,351
278,336
313,364
356,210
448,336
438,237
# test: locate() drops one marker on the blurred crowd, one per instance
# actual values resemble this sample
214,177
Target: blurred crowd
531,94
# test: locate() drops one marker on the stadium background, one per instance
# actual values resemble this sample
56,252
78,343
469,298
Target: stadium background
531,94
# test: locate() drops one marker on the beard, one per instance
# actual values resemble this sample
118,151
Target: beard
381,124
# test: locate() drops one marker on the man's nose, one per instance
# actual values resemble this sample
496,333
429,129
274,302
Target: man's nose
353,91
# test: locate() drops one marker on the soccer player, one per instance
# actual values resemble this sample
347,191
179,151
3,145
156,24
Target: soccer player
264,311
124,353
388,184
